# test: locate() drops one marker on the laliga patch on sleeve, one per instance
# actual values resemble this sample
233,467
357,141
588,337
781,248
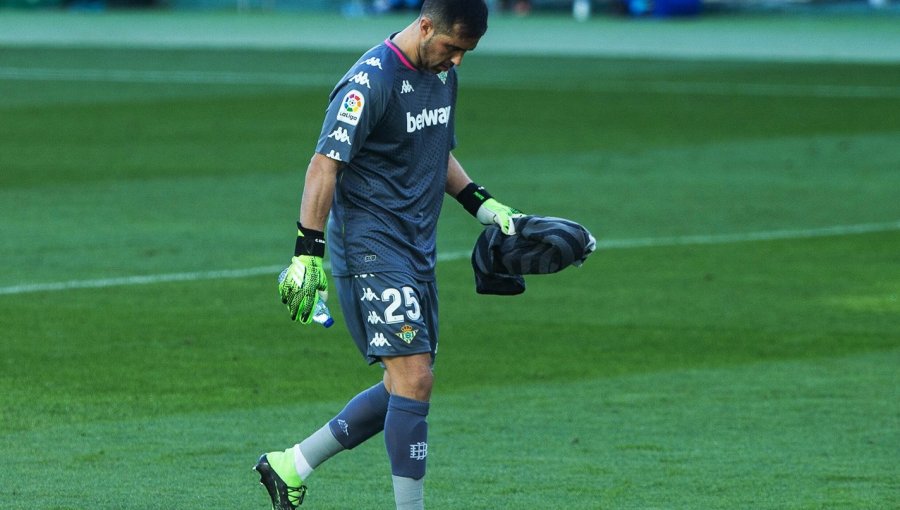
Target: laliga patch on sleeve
351,107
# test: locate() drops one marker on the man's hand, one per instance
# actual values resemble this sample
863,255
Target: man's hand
304,282
493,212
487,210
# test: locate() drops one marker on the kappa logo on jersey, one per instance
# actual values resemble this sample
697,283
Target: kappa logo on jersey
374,62
427,118
334,155
406,88
374,318
407,333
340,134
362,78
351,107
379,340
368,295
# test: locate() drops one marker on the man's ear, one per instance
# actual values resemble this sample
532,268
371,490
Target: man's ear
426,27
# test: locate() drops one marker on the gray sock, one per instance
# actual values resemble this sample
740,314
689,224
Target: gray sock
409,494
320,446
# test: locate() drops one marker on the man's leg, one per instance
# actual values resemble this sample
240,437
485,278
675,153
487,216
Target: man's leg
409,380
400,405
283,473
361,418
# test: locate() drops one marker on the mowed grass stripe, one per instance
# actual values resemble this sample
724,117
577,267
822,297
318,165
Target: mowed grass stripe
631,441
771,235
169,76
325,79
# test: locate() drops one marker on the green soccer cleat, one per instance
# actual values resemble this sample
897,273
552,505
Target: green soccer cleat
278,475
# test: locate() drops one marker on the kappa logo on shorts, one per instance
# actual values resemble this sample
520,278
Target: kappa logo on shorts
407,333
374,318
368,295
379,340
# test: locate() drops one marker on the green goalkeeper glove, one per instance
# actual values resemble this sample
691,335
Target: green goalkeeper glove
488,211
305,281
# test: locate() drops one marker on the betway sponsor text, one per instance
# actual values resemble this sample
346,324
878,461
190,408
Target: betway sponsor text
427,118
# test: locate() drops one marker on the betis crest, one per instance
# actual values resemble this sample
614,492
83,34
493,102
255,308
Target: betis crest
443,76
407,333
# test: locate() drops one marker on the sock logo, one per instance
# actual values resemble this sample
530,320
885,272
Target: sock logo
418,451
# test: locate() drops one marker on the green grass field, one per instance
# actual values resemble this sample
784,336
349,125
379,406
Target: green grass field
736,343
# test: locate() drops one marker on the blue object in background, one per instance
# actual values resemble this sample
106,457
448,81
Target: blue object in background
667,8
664,8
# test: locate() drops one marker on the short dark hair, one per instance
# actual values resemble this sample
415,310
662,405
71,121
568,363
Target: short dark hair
470,16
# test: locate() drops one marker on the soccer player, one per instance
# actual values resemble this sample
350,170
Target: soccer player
379,173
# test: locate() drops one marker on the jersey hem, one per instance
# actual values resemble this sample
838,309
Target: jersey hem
430,277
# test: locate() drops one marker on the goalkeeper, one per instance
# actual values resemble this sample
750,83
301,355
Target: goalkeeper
382,165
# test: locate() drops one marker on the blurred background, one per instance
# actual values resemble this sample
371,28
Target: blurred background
581,9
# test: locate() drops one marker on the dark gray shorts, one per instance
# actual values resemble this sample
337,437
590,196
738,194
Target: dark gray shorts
390,314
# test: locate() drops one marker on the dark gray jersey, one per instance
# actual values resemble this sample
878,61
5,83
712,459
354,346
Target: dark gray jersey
392,125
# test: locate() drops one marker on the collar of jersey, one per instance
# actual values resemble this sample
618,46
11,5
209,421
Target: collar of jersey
390,44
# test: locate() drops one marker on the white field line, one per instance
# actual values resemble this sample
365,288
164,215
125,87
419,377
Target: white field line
760,89
770,235
324,79
610,244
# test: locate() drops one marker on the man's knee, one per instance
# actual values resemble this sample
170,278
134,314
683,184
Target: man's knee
422,383
415,385
409,376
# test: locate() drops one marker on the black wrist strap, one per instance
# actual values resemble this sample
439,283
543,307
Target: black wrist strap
472,196
309,242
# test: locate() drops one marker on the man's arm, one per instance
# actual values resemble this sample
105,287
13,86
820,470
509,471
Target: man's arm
457,179
304,282
318,191
477,201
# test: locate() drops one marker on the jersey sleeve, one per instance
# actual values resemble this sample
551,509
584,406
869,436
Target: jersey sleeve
355,107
